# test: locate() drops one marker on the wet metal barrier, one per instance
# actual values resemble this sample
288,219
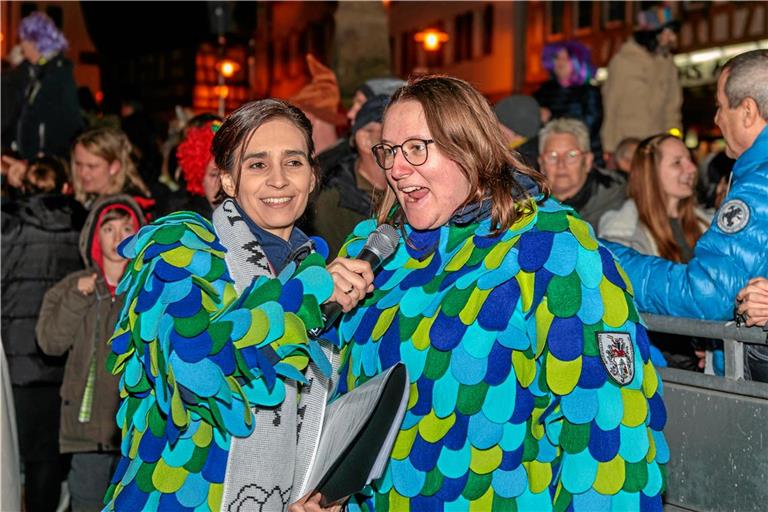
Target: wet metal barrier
717,428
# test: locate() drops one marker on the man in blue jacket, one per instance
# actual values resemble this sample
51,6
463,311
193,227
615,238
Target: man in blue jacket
735,247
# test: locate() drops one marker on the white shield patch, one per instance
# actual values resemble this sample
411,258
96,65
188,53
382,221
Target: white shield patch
733,216
618,355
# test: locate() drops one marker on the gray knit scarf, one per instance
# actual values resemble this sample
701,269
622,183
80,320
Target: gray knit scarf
264,469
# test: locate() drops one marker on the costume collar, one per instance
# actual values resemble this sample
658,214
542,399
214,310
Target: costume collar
279,252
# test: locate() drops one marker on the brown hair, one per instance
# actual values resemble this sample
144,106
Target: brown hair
232,138
645,189
112,145
466,130
45,175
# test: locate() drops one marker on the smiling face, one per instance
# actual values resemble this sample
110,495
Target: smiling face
429,193
93,172
677,173
275,177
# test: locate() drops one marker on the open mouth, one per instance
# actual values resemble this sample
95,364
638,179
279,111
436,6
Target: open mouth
414,193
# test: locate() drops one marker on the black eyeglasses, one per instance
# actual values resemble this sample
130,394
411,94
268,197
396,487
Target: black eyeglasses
414,151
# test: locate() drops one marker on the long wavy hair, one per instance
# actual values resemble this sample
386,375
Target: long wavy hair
645,189
112,145
466,130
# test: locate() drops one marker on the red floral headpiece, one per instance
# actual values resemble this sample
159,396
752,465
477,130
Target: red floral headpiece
194,153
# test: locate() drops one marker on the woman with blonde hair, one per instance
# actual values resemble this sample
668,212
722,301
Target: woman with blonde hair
102,166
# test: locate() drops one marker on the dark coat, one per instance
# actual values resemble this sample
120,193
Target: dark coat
50,116
39,247
582,102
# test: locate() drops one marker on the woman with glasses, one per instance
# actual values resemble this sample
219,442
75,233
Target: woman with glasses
212,344
661,218
531,384
567,162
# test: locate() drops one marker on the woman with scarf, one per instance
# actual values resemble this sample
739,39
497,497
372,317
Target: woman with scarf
218,377
531,383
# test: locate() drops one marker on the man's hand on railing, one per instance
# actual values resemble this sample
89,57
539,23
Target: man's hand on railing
752,302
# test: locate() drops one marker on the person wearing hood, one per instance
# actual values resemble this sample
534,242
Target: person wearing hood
49,116
77,318
39,247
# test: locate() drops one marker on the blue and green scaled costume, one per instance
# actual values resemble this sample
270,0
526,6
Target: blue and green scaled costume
194,357
512,406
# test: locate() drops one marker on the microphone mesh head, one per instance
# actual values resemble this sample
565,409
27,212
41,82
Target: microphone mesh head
383,241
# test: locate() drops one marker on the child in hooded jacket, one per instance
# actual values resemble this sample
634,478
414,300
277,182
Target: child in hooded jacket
77,317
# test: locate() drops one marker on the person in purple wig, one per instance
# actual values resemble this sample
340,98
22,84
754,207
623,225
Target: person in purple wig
40,39
569,93
49,117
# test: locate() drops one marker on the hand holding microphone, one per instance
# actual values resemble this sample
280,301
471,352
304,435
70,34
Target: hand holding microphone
353,278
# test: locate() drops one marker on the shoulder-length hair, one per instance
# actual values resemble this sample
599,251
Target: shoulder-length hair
645,189
112,145
466,130
234,134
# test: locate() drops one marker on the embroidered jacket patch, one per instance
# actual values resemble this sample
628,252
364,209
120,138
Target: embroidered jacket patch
733,216
618,355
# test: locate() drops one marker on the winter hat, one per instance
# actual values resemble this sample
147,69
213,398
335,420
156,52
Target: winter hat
379,86
656,19
321,96
519,113
372,111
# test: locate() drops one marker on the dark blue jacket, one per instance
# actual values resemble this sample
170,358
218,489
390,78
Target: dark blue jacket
733,250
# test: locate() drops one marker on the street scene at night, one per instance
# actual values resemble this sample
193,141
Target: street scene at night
328,256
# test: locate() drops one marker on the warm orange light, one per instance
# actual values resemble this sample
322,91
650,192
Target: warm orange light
431,39
228,68
222,91
99,97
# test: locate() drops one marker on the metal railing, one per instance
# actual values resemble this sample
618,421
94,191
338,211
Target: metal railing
733,337
717,428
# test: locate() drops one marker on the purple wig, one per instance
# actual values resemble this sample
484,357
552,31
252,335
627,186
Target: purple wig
581,60
40,29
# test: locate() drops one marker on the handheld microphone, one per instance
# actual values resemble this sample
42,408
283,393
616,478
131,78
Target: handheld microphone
381,244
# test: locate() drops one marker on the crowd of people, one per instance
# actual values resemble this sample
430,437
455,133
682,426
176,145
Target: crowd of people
156,330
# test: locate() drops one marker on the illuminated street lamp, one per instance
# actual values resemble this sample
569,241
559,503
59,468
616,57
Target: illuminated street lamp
431,39
228,68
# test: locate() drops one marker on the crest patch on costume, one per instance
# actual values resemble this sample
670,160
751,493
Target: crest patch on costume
733,216
618,355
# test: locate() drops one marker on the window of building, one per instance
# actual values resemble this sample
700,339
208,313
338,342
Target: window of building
463,28
614,11
583,15
556,13
488,29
